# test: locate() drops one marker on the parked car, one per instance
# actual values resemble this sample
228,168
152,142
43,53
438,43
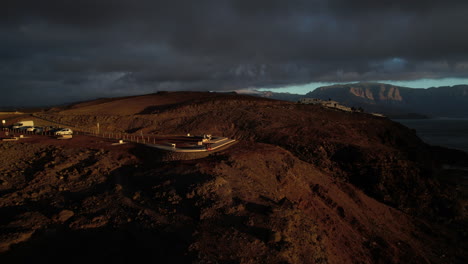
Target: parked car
64,131
38,130
30,129
25,128
51,129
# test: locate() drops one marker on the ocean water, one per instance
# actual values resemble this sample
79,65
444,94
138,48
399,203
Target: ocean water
445,132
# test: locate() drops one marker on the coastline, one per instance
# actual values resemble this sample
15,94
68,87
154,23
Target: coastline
440,131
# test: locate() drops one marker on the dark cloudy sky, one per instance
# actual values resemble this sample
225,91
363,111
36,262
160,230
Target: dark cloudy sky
53,51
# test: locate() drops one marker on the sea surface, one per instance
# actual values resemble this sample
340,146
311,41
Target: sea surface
445,132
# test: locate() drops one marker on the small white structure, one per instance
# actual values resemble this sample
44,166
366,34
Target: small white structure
214,143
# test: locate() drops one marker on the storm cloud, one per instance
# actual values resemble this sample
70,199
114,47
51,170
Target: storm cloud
54,51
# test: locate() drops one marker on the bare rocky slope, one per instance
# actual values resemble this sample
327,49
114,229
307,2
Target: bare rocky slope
303,185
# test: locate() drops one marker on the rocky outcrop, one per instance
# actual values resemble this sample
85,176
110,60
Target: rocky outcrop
393,100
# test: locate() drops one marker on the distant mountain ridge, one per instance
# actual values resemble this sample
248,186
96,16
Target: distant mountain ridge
446,101
281,96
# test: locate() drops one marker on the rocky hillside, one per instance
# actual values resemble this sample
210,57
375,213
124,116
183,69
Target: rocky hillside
371,152
393,100
304,184
280,96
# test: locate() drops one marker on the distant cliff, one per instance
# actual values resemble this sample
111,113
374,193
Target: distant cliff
394,100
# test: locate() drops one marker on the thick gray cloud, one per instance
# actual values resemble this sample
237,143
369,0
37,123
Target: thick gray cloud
61,50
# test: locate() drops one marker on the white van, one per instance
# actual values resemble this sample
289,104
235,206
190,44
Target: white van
21,124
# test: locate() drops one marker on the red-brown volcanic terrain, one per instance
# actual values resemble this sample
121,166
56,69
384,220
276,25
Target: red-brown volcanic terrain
304,185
